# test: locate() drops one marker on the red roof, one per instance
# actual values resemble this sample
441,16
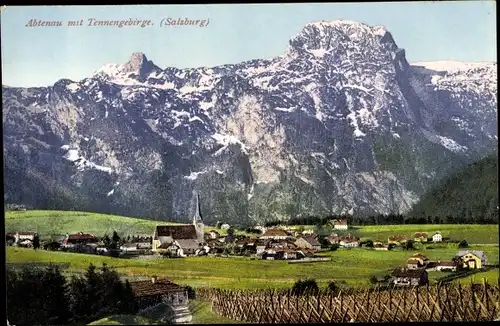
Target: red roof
81,236
176,231
420,234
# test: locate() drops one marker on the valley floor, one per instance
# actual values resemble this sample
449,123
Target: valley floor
352,267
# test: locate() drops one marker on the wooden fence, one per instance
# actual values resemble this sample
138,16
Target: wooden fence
445,302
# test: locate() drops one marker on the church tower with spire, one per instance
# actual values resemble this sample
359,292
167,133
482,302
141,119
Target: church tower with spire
197,219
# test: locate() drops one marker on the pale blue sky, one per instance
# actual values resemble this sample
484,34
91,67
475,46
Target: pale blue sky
39,56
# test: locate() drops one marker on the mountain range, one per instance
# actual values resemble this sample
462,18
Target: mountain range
340,123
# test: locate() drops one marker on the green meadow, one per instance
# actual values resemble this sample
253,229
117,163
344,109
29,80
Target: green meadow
352,267
55,223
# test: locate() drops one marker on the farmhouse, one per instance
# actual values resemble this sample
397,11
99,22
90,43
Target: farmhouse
128,247
441,265
409,277
437,237
79,239
275,234
380,246
419,259
397,239
308,232
420,237
339,224
20,238
153,292
349,241
213,234
308,242
473,259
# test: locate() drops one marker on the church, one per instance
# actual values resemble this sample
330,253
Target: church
181,240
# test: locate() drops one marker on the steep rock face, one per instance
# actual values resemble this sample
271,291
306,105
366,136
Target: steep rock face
339,123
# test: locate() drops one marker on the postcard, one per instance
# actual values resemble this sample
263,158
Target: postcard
250,163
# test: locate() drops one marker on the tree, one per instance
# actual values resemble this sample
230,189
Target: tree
334,247
37,297
305,287
332,287
369,244
391,246
36,242
408,245
107,241
115,240
230,231
463,244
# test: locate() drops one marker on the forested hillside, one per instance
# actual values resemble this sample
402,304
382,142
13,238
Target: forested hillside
471,194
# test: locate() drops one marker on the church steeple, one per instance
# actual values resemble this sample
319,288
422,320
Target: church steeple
197,213
197,219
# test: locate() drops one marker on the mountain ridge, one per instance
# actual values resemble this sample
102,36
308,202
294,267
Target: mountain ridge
339,123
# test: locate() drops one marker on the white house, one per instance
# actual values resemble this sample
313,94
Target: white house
339,224
349,243
214,234
437,237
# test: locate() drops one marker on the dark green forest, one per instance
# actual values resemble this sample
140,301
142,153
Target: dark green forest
470,194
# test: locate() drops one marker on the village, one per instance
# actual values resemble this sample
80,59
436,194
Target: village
294,244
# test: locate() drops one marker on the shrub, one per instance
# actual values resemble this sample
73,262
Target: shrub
334,247
332,287
373,279
463,244
305,287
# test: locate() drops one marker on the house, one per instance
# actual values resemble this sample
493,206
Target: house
213,234
225,226
308,232
286,254
396,240
420,237
409,277
303,253
421,260
339,224
349,241
128,247
308,242
413,263
20,238
441,265
275,234
333,239
155,291
164,236
78,240
260,246
472,259
437,237
380,246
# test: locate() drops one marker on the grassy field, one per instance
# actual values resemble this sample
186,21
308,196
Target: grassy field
473,233
350,266
353,267
55,223
123,320
203,315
